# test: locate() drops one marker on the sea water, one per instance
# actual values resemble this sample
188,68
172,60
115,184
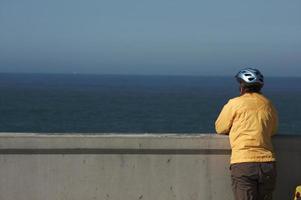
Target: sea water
77,103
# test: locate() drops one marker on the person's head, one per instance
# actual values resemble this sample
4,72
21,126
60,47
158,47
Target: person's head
250,80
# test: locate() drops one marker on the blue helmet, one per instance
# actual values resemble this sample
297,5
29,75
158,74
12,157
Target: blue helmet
250,76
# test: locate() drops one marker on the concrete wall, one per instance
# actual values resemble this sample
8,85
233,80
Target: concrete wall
129,167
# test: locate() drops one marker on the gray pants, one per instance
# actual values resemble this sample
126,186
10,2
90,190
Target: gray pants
253,181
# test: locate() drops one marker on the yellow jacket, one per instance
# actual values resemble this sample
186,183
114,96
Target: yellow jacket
250,120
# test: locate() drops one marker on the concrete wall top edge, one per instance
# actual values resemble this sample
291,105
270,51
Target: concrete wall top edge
112,135
126,135
113,141
133,141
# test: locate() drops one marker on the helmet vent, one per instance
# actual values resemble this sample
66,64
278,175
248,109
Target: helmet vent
251,79
248,74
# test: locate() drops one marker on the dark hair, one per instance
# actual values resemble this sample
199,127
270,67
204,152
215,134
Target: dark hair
249,88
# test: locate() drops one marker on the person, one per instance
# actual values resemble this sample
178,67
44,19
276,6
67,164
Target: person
250,120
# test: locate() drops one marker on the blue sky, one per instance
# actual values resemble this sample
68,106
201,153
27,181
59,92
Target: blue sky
150,37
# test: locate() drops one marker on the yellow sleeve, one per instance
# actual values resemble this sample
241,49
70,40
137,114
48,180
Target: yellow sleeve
224,121
275,121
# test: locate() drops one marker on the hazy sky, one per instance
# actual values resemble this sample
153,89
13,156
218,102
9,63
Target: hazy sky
150,37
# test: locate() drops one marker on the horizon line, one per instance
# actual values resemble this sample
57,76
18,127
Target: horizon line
132,74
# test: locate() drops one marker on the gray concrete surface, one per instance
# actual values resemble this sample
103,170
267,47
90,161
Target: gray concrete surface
128,167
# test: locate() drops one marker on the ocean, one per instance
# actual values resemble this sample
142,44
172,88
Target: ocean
96,104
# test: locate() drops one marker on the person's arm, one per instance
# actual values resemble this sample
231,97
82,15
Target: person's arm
224,121
275,120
